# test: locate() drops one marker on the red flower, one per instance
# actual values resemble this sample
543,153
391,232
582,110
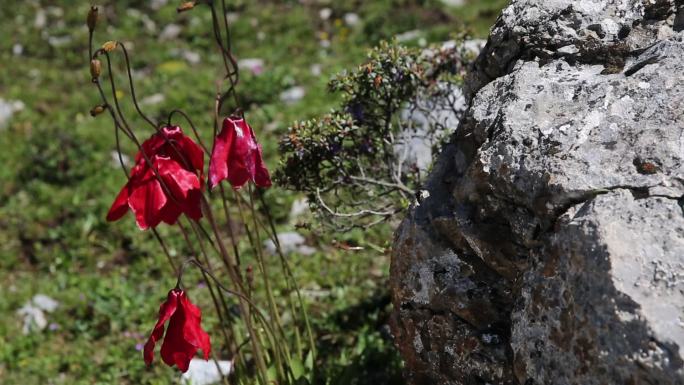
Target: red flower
184,335
237,156
179,162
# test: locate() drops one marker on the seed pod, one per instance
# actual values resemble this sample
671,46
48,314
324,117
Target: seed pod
186,6
92,18
109,46
97,110
95,67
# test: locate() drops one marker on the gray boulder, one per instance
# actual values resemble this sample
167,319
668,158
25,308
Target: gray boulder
550,249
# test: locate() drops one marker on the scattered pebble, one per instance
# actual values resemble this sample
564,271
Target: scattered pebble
7,110
253,65
292,95
33,313
17,49
232,17
408,35
170,32
299,208
115,159
352,19
316,69
191,56
203,372
59,41
454,3
325,13
158,4
40,21
152,99
44,302
290,242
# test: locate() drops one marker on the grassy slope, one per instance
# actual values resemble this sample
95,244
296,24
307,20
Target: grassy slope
57,180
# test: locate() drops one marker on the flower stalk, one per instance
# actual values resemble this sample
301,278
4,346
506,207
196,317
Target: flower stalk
168,182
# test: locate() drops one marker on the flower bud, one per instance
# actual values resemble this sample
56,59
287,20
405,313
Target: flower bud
186,6
95,67
97,110
92,18
109,46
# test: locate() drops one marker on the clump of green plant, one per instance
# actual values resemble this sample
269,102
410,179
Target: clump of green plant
355,163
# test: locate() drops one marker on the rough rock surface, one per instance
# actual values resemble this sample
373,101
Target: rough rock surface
551,247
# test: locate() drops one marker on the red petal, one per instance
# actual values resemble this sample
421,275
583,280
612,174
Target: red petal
170,212
261,176
184,336
193,206
241,162
179,180
192,329
146,201
218,165
120,206
166,310
151,146
194,153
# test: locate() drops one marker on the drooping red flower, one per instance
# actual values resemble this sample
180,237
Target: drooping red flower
179,162
237,156
184,336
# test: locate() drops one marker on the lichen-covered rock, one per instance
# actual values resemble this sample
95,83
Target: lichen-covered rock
551,247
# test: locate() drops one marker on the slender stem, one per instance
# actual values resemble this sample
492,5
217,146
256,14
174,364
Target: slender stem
166,251
290,275
192,125
217,306
130,81
235,278
264,271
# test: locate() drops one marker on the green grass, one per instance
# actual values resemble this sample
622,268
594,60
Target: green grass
58,179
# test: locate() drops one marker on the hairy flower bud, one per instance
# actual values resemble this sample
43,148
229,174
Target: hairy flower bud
186,6
109,46
97,110
95,67
92,18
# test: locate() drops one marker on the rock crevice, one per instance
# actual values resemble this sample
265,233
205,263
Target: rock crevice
551,246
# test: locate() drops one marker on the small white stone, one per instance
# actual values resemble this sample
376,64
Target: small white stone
170,32
191,57
351,19
299,208
44,302
41,19
33,317
153,100
7,110
201,372
325,13
316,69
292,95
116,163
158,4
253,65
408,35
17,49
290,242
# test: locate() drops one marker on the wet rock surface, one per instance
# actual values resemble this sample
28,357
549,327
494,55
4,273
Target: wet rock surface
551,247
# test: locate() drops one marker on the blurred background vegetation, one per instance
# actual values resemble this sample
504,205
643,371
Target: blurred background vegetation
59,174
